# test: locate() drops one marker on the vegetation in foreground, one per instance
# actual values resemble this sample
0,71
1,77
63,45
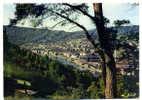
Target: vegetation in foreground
27,75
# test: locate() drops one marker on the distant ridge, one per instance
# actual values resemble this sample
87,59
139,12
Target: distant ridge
21,35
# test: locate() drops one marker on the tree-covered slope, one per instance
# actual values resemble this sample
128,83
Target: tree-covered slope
24,71
21,35
46,78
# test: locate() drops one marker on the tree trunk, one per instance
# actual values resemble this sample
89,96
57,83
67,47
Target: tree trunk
109,63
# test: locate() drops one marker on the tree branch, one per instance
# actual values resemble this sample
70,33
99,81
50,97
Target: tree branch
83,12
57,24
89,37
72,27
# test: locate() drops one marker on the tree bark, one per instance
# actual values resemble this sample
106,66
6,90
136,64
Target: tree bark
109,62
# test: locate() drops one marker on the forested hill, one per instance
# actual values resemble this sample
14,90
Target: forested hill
46,78
25,71
21,35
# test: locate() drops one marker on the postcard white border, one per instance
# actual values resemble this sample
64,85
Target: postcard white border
60,1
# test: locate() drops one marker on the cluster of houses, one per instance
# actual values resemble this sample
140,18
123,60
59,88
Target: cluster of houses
76,52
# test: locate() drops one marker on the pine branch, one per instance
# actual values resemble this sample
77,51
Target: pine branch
83,12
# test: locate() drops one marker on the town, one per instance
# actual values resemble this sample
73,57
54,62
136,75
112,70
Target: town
79,52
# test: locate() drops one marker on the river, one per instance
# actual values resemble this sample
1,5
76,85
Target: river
95,74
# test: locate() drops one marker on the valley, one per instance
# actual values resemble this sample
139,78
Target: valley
36,61
72,47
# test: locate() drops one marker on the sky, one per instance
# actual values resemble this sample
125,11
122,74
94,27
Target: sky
113,11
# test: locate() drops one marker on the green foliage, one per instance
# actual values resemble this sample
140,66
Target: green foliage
46,76
14,71
118,23
120,85
51,79
126,86
79,92
96,89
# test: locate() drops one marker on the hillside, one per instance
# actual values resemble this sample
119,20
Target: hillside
72,46
21,35
28,75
